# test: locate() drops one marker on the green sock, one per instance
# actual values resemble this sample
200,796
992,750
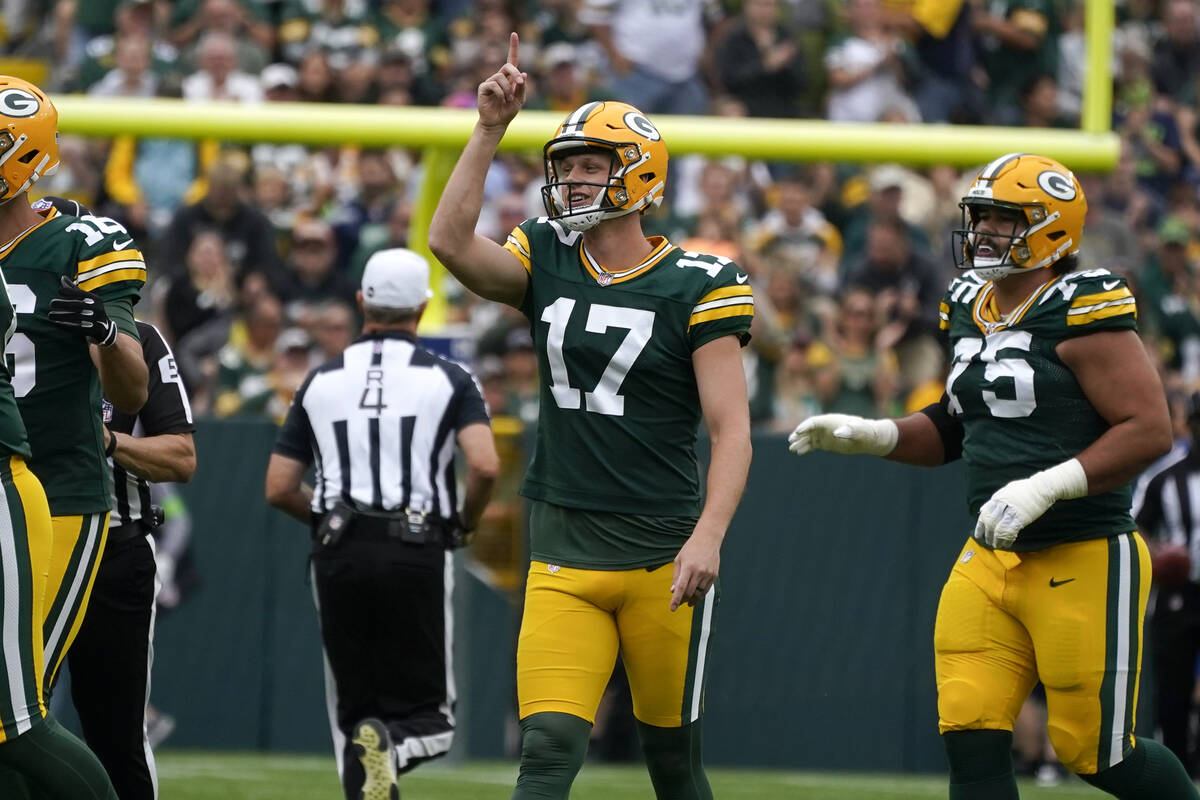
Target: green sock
1149,772
13,785
674,762
57,765
980,765
553,746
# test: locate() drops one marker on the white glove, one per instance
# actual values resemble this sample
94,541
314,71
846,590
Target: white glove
1018,503
844,433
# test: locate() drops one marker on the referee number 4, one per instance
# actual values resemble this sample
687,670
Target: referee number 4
605,398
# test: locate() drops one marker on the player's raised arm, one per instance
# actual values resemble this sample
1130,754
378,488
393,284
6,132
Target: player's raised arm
480,264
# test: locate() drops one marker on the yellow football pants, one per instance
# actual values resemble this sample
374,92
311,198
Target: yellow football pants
1069,615
24,549
575,622
76,546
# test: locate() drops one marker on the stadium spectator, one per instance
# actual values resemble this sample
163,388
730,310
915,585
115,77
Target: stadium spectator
374,192
865,70
317,79
795,225
335,324
243,383
1019,39
852,371
946,58
131,75
1176,58
135,19
246,232
341,29
760,63
217,76
889,186
205,293
311,273
245,20
1039,102
635,35
252,37
407,28
564,83
1170,289
373,237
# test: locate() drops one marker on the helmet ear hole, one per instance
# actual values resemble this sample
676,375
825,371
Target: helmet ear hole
28,157
647,177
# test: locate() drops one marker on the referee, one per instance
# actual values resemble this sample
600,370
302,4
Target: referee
1169,511
380,423
110,660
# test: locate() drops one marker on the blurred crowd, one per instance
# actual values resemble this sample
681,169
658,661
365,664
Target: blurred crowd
255,252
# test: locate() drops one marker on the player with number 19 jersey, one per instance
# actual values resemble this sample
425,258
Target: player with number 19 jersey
1022,409
619,404
57,387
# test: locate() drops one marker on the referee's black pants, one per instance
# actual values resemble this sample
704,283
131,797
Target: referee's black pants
1175,626
110,663
384,608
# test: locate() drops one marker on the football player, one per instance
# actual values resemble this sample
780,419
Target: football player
636,341
73,281
35,752
1055,407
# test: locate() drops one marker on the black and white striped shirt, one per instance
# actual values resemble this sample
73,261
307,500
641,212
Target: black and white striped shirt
1169,509
166,411
379,423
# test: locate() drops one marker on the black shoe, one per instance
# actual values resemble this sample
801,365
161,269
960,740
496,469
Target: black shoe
373,746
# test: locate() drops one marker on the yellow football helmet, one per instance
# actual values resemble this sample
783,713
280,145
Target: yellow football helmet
1046,195
28,136
636,178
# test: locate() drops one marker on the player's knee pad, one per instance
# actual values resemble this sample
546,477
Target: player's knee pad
978,756
674,762
553,746
1069,749
959,705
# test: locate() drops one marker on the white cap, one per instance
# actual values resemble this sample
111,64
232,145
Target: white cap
274,76
396,278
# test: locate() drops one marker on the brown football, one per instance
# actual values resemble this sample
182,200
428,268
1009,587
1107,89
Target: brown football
1172,565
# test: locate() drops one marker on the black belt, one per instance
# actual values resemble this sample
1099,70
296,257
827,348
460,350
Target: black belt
414,529
131,530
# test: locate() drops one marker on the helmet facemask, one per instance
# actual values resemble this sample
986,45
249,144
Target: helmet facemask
1013,248
612,199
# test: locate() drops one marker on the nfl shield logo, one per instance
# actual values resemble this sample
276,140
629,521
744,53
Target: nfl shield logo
106,412
604,279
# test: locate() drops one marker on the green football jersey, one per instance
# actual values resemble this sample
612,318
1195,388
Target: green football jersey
1021,408
13,440
619,406
56,385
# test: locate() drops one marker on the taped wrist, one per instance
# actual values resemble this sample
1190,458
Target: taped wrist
1066,481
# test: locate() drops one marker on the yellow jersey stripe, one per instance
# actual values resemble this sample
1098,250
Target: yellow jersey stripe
721,313
1113,308
92,264
518,245
1100,297
130,274
726,291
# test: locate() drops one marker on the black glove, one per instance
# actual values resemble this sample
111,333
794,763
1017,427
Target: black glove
454,535
83,312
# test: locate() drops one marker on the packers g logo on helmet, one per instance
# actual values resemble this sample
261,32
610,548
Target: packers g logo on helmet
637,174
18,103
1044,193
28,136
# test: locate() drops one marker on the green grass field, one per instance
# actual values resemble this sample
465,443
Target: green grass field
221,776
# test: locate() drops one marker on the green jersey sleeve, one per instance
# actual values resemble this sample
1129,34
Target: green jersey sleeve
726,306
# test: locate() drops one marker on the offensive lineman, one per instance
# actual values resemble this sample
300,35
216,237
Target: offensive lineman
35,751
636,341
1055,407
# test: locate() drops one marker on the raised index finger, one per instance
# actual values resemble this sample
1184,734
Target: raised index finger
512,48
